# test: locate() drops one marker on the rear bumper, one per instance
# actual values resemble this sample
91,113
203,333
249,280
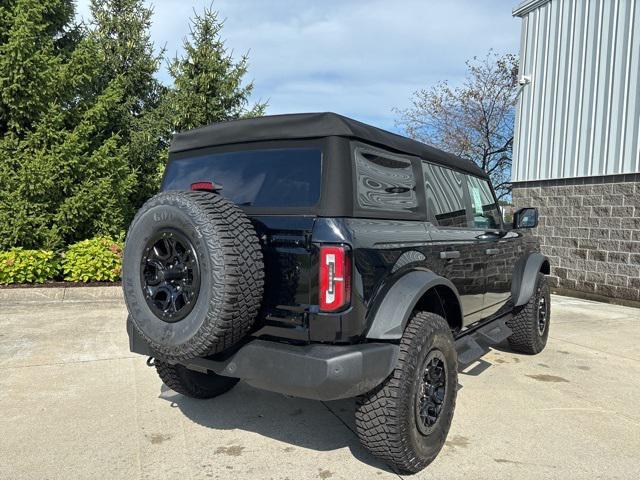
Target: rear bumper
315,371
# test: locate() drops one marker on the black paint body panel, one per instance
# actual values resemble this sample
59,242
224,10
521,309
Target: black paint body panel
384,245
383,252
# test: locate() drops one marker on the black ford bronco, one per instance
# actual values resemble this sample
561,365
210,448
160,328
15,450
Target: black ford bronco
319,257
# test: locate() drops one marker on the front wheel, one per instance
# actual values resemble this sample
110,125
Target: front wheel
530,322
405,420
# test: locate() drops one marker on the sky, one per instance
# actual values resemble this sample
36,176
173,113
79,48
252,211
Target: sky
360,58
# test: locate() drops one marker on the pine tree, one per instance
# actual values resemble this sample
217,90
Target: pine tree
85,123
35,37
120,28
65,173
208,83
70,181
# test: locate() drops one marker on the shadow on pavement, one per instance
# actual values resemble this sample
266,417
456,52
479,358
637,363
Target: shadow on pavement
298,422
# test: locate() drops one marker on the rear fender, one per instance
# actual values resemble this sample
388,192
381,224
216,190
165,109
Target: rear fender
399,301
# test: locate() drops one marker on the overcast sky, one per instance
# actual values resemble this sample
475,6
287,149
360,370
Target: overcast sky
360,58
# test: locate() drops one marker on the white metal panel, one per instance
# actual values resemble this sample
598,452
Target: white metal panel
580,114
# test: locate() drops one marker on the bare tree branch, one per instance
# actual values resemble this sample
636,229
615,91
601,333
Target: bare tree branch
475,120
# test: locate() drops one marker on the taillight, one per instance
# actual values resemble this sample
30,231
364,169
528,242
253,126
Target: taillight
206,186
335,278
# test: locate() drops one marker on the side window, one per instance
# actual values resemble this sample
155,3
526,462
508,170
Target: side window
385,182
483,206
445,195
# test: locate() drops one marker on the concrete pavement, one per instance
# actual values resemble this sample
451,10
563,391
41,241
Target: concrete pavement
75,403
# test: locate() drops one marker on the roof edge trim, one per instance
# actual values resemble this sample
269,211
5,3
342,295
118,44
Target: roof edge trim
527,6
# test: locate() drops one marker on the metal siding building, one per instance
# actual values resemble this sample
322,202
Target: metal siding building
580,115
577,139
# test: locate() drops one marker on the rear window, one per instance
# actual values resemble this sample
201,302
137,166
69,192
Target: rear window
254,178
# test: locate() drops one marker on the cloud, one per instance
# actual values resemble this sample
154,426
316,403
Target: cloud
360,58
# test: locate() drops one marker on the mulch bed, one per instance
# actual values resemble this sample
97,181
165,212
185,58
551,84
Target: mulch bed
62,285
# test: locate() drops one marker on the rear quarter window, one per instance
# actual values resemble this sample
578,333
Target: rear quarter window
275,178
384,182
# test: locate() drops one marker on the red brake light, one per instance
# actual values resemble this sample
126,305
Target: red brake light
206,186
335,278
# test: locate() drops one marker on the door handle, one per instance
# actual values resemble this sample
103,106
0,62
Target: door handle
489,236
449,254
492,251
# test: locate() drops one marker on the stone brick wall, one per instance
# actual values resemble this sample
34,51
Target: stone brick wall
590,230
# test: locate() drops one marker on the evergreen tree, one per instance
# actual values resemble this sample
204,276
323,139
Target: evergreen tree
70,181
208,84
34,38
85,123
66,175
121,31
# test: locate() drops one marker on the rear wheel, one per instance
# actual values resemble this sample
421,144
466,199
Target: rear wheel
405,420
530,322
191,383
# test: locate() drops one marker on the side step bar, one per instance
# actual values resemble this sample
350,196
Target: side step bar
476,343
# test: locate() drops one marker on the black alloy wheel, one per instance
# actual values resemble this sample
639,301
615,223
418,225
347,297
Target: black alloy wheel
432,391
170,275
542,312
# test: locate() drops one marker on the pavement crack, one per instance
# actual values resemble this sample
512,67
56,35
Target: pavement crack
340,419
350,429
595,349
137,417
72,362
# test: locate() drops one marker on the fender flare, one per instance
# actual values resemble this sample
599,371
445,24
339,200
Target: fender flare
524,278
399,301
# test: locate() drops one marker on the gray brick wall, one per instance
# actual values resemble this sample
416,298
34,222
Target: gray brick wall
590,230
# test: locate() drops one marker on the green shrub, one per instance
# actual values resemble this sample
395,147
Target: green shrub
28,266
95,260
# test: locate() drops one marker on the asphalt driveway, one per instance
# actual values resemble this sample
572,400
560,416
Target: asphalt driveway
75,403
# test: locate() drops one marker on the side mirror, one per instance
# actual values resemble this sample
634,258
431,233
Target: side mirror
526,218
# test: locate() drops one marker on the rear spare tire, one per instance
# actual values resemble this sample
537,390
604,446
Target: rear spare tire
192,274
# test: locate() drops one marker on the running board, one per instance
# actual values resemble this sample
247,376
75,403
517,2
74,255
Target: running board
475,344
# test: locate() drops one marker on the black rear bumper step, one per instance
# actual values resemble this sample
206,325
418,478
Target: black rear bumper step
321,371
314,371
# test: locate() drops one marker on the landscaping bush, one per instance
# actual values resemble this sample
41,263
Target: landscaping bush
28,266
95,260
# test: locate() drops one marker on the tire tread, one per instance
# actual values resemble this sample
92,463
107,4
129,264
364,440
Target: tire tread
380,425
525,337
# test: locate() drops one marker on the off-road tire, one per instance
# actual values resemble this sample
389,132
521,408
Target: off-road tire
527,337
191,383
231,273
386,420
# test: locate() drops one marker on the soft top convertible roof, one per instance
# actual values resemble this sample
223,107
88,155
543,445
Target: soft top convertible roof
312,125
